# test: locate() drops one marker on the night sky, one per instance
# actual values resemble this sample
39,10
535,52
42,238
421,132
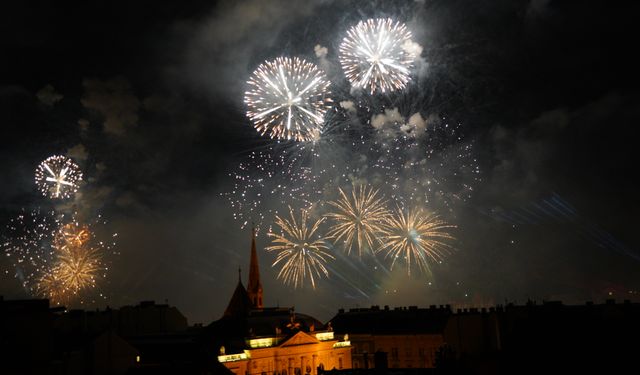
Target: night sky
148,99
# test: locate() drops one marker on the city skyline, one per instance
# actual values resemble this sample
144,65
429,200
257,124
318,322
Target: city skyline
511,121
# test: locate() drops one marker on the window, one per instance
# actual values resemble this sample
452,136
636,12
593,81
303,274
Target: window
394,353
340,363
421,352
407,351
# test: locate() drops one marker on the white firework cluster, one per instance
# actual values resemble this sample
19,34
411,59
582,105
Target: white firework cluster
58,177
415,164
28,244
281,177
376,55
288,98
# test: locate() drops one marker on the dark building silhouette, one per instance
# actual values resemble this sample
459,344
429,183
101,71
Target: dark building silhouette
533,338
251,339
409,337
254,286
26,336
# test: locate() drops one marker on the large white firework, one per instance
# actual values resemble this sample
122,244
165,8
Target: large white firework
58,177
288,98
377,55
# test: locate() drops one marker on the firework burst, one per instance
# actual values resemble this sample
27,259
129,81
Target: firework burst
56,257
416,236
288,99
71,235
299,249
78,267
358,218
58,177
375,55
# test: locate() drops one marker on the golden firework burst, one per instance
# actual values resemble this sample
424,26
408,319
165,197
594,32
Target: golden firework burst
302,253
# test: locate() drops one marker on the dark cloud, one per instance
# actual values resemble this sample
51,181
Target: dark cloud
115,101
48,95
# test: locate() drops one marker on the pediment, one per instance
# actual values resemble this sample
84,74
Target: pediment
300,338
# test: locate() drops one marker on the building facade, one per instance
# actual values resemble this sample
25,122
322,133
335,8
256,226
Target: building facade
253,339
397,338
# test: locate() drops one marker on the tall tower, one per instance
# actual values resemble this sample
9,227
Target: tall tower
254,287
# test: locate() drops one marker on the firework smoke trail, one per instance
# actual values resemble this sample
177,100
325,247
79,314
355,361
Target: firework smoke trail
358,219
301,251
434,166
288,99
58,177
375,55
416,235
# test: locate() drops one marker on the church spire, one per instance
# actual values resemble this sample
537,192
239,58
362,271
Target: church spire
254,287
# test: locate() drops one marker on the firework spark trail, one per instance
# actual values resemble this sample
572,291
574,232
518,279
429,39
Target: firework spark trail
301,252
58,177
271,176
373,55
416,235
437,168
288,99
28,244
358,219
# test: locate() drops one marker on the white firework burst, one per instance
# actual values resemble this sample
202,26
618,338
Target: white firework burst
377,54
58,177
288,98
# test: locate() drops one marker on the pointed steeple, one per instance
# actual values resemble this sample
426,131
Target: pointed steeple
254,287
240,304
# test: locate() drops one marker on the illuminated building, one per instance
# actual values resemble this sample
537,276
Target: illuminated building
253,339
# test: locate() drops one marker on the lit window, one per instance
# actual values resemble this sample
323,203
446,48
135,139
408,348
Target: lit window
137,359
